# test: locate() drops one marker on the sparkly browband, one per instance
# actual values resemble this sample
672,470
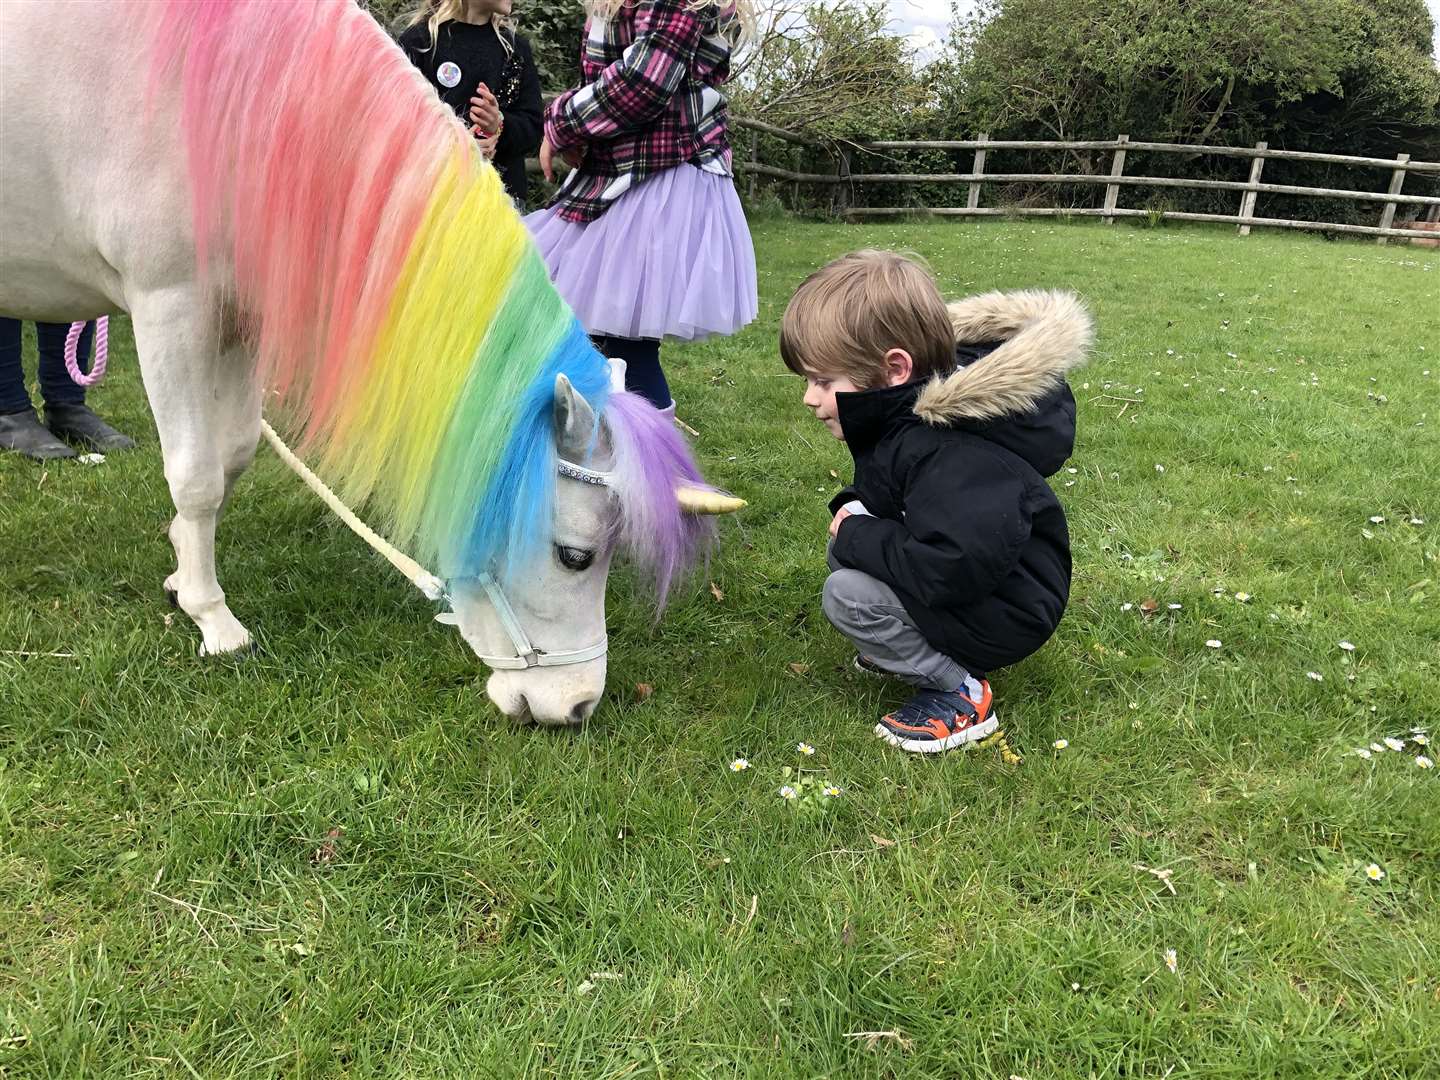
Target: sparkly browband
584,475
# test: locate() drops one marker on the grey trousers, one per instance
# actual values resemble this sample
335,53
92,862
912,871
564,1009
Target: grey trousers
868,612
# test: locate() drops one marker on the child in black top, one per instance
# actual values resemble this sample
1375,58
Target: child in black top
949,552
485,72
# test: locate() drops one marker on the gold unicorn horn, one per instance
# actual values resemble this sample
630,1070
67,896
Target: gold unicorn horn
695,500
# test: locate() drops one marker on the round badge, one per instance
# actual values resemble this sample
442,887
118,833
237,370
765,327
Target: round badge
449,74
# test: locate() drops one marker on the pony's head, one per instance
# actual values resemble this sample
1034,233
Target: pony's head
623,483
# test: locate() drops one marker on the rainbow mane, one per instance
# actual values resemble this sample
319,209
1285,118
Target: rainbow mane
394,297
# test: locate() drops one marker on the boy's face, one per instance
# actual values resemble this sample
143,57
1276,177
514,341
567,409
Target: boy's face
821,388
820,391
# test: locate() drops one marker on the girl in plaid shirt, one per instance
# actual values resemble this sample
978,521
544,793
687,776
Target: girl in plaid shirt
646,238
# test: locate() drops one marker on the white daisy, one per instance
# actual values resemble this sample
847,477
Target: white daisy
739,765
1373,872
1363,753
1213,643
1347,646
1424,762
788,792
1060,744
1315,676
1171,961
805,748
1394,744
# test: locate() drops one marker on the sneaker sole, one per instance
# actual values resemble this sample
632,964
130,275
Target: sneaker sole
871,672
939,746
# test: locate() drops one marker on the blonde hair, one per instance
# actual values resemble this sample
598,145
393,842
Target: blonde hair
737,17
847,315
435,12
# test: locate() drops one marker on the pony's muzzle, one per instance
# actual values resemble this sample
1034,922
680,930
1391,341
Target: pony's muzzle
561,697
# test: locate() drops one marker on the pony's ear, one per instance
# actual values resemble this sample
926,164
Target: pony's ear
574,422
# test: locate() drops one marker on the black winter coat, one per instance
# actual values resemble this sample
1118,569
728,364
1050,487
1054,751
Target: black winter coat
965,528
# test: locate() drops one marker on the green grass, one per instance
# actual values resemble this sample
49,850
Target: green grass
170,904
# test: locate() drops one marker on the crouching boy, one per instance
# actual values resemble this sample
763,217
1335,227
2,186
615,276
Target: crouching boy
949,553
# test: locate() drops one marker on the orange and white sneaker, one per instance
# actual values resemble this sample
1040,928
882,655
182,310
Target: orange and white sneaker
934,721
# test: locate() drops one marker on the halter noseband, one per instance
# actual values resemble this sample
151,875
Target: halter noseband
526,654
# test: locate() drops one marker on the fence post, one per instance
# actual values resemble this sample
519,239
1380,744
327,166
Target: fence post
841,202
1112,191
1397,180
977,169
1247,200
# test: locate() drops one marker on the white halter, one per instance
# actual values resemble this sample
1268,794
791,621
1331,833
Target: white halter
526,654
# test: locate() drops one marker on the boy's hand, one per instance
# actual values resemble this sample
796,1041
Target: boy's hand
840,515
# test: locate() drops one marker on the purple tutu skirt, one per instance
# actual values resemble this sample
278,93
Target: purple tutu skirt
671,258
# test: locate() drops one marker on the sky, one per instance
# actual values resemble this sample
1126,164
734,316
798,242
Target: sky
924,22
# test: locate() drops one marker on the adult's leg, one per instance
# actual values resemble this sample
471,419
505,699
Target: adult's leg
66,413
56,386
14,397
20,429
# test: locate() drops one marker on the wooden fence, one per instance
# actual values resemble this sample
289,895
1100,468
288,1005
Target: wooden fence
844,182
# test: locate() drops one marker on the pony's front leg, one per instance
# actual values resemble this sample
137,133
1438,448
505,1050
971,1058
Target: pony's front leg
207,413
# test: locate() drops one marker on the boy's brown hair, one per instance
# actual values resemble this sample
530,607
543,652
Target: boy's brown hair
847,315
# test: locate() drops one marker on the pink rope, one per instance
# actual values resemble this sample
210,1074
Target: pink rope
102,350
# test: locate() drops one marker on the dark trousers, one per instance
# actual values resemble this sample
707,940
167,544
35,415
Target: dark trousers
56,386
643,374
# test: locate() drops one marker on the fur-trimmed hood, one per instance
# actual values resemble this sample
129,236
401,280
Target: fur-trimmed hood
1043,334
1011,354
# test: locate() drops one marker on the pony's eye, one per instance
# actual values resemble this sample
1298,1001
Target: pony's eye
574,558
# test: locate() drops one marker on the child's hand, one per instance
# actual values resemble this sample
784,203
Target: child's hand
485,110
573,158
487,142
840,515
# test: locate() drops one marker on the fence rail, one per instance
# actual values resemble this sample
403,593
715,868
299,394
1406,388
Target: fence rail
844,182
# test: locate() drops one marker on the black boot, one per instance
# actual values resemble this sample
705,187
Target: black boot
23,433
79,424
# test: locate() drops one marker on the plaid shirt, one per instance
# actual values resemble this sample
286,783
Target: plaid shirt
650,102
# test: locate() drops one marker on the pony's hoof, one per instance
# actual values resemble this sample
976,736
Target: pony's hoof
250,649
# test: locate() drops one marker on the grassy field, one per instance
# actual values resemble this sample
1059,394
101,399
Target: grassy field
335,859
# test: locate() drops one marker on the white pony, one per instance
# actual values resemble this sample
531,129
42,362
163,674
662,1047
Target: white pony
283,203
